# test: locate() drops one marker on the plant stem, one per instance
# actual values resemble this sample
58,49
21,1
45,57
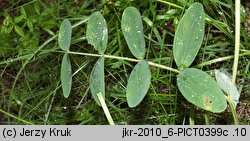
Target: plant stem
220,59
171,4
105,109
191,118
15,117
232,107
206,118
125,58
31,56
163,67
237,39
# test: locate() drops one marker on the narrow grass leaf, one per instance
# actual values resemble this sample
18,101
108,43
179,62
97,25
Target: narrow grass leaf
189,36
66,76
64,35
138,83
132,29
97,84
97,32
227,86
200,89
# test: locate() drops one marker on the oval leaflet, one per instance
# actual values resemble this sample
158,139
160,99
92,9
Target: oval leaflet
227,86
138,83
132,30
200,89
64,35
66,76
97,84
97,32
189,35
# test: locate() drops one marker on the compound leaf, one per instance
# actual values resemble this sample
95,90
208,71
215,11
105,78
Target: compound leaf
97,32
138,83
66,76
132,30
64,35
200,89
189,36
97,84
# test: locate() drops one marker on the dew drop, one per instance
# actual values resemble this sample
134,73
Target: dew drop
134,45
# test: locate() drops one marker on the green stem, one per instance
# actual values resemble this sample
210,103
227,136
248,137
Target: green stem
163,67
23,66
220,59
237,39
191,118
10,60
15,117
232,107
31,56
105,109
206,118
125,58
171,4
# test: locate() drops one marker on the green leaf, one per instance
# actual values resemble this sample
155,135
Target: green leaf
138,83
8,20
23,12
242,14
19,30
64,36
9,29
97,84
66,76
227,86
97,32
200,89
189,36
132,30
19,19
30,25
37,7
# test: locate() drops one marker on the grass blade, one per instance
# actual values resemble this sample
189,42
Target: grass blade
237,39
